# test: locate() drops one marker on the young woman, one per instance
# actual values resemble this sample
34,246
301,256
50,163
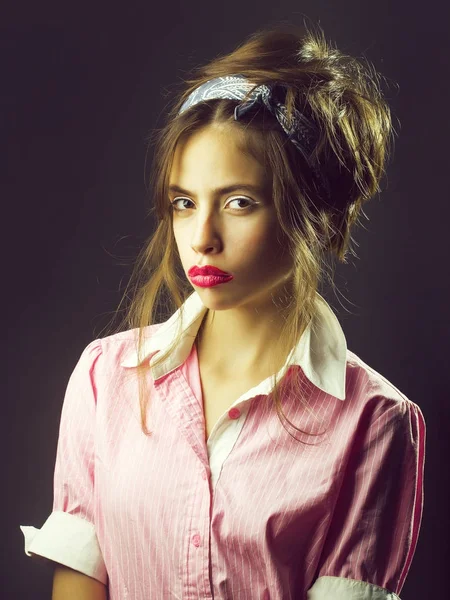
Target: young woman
278,465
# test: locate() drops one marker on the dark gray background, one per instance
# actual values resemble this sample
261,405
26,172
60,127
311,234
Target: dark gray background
80,90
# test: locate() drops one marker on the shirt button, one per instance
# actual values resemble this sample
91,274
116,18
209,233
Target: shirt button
196,540
234,413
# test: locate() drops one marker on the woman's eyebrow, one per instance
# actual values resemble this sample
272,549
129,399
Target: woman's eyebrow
222,190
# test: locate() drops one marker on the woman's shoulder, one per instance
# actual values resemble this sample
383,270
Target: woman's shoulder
114,348
364,380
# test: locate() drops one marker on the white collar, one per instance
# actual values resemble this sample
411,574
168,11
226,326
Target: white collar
321,350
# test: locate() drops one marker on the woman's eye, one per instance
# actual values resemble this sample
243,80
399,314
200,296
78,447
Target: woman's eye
241,209
249,202
174,203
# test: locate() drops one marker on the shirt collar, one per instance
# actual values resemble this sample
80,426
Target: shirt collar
321,351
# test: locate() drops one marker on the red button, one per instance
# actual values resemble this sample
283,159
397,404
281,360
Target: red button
234,413
196,540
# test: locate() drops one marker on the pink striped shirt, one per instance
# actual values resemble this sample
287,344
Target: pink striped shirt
251,514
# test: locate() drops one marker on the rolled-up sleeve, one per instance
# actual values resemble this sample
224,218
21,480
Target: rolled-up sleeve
375,526
68,536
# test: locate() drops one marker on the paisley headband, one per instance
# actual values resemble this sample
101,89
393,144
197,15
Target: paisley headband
300,131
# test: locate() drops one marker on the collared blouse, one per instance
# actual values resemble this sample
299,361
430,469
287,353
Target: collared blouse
251,513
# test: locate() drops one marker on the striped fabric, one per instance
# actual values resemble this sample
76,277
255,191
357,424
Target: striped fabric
251,514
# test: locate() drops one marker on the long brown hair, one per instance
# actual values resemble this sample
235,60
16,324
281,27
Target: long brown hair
342,95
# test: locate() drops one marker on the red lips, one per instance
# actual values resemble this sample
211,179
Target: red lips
206,270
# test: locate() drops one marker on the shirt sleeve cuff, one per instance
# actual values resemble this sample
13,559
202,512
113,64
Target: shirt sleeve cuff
342,588
68,540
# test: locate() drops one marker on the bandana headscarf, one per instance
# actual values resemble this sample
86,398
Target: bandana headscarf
300,130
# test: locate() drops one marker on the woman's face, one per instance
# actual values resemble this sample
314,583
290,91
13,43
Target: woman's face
235,231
